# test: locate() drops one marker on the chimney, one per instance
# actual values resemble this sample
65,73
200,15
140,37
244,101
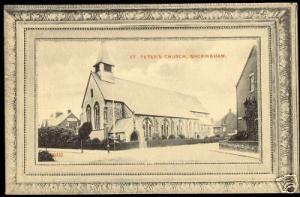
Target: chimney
57,114
69,111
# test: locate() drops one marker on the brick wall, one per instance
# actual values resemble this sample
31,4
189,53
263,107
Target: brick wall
243,87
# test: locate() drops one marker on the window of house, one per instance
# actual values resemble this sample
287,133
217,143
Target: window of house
107,68
97,115
251,76
92,93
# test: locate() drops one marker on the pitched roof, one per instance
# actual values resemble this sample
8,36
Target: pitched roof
124,125
145,99
54,121
220,122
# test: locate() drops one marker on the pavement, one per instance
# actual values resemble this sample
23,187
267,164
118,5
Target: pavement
203,153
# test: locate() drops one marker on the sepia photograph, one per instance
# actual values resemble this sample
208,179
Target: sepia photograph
149,100
158,98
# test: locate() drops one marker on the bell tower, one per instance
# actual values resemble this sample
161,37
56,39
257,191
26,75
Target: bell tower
104,67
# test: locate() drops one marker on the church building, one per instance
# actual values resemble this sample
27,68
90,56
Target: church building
129,111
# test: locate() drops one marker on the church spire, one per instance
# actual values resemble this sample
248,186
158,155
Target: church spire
104,66
104,55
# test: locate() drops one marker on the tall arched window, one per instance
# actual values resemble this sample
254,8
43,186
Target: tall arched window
92,93
165,128
88,113
97,115
156,125
172,127
180,127
190,129
147,126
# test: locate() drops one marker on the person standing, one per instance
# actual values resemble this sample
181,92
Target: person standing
107,147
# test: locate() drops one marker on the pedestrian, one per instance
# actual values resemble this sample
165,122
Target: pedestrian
107,147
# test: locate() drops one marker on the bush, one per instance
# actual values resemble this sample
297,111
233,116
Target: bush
95,141
55,136
181,136
156,136
241,135
172,137
45,156
88,141
163,137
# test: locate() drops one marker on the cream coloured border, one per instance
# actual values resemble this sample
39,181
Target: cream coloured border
284,87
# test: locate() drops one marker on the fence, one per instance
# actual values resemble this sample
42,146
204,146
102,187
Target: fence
179,141
251,146
135,144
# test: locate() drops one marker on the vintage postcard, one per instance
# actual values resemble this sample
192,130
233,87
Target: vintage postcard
181,98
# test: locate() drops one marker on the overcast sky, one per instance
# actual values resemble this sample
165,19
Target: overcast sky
64,67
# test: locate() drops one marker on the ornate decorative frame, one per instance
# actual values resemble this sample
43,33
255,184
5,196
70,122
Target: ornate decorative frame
281,18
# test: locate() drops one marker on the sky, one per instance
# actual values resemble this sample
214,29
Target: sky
63,68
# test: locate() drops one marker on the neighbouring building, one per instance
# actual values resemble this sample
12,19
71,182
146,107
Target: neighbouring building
131,111
227,126
59,119
246,92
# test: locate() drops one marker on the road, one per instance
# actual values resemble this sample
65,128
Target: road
206,153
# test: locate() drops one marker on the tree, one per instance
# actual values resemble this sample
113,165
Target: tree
251,118
84,132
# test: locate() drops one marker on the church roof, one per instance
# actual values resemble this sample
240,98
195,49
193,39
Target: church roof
148,100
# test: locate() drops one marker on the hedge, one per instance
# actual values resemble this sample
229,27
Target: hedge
99,146
91,145
251,146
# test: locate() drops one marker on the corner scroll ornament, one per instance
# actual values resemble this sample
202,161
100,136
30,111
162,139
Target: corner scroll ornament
287,183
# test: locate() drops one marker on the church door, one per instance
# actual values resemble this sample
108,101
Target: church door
134,136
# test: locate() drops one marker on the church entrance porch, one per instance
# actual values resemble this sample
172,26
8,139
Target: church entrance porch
134,136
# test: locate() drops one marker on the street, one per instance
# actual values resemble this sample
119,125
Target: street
205,153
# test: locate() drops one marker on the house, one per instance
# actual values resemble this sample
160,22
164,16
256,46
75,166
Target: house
59,119
131,111
246,92
227,126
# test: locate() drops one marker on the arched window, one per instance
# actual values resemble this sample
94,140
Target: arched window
156,125
180,127
88,113
172,127
92,93
147,126
165,128
190,129
97,115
